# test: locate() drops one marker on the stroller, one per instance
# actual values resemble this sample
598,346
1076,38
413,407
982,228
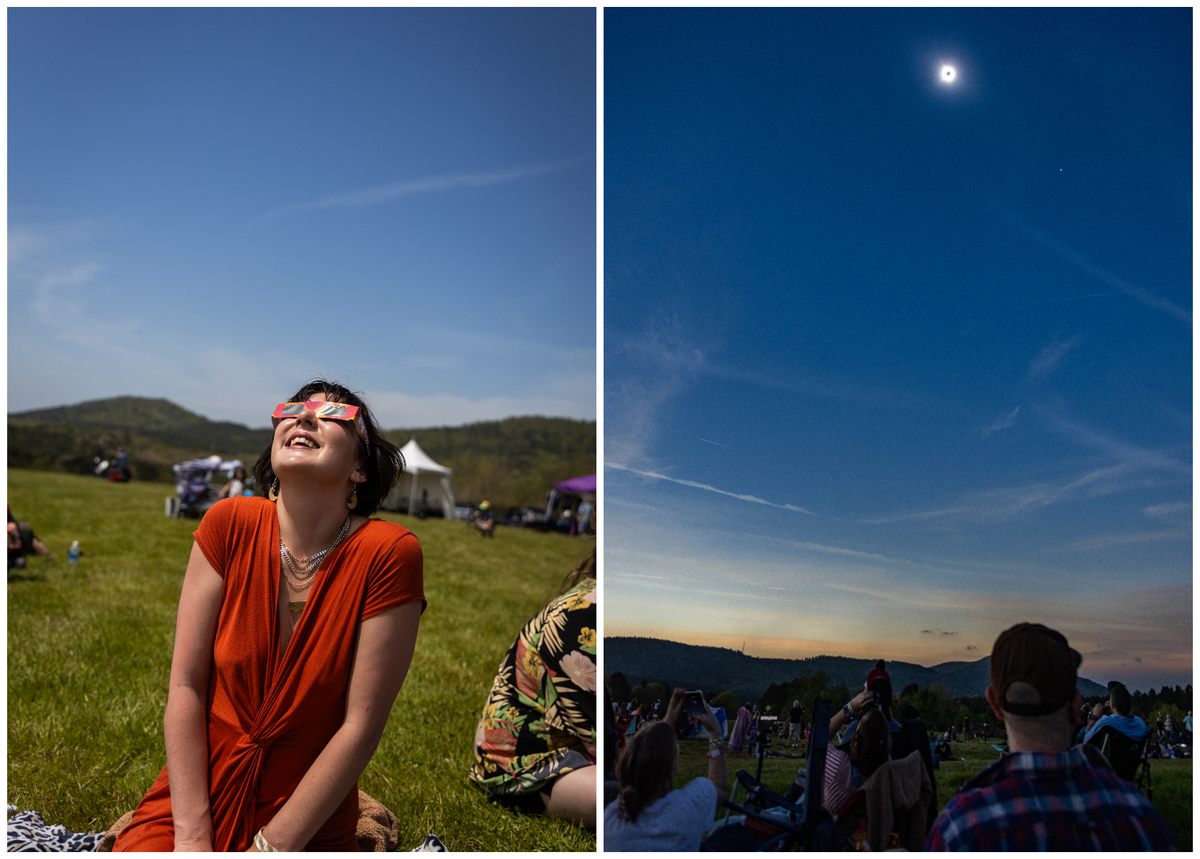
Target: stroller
194,488
768,820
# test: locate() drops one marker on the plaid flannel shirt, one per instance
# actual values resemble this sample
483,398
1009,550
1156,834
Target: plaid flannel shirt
1032,801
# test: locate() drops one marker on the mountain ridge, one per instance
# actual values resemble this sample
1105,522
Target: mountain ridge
643,659
511,461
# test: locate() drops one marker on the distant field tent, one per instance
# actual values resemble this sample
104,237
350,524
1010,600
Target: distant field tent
584,487
422,476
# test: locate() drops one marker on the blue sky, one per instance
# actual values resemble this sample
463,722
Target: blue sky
891,365
214,205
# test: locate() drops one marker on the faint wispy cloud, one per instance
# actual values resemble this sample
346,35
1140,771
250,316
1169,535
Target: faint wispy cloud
751,499
1003,422
647,372
1110,540
389,192
55,294
1137,293
1010,501
1048,359
1075,430
1160,510
710,441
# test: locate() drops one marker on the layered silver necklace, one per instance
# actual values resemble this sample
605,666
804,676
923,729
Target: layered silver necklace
301,571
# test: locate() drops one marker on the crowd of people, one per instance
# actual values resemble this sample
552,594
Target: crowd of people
1052,789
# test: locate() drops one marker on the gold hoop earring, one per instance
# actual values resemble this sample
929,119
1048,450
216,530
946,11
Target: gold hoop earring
353,500
273,492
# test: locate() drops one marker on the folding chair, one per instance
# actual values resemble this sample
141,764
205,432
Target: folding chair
772,821
1128,757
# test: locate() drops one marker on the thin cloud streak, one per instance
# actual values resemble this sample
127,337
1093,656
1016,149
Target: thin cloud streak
1123,451
1127,539
1048,359
1011,501
752,499
1001,423
1137,293
398,190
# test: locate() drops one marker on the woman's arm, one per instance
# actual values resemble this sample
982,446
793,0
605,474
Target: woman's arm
718,767
185,729
841,718
385,649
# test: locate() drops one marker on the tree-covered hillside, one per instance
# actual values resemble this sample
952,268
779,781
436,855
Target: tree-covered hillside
510,462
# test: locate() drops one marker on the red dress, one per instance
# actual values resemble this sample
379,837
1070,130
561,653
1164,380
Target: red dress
270,714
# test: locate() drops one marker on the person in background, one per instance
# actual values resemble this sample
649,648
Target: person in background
584,517
485,519
796,723
22,542
1044,794
236,485
878,672
649,815
535,746
1122,718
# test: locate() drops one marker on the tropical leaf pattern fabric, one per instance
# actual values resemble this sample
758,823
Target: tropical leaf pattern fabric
540,718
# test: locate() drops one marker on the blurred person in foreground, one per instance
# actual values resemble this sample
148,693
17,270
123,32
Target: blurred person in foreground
535,747
648,815
1043,794
297,623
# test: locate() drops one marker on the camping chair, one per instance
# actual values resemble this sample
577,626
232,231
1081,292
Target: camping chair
913,737
1129,758
772,821
890,809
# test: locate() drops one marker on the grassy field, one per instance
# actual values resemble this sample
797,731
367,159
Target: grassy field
1172,779
89,654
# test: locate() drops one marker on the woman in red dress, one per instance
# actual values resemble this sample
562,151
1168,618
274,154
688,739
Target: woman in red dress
297,623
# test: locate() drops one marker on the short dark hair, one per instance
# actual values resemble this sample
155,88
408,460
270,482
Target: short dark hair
382,461
1122,701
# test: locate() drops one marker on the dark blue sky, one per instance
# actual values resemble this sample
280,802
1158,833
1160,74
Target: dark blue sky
944,332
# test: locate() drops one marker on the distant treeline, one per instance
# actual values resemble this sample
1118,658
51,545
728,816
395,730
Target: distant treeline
510,462
932,704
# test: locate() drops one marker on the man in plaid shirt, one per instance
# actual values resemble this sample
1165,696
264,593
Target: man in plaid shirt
1043,794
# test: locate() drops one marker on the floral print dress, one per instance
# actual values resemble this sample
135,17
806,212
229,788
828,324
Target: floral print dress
540,718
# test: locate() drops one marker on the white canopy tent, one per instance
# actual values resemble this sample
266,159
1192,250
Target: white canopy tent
421,476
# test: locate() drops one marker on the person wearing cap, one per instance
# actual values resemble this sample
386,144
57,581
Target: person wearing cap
1122,718
1043,794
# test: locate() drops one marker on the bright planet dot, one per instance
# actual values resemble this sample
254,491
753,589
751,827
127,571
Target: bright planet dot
947,74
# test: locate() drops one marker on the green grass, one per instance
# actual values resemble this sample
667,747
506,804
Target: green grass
89,653
1172,779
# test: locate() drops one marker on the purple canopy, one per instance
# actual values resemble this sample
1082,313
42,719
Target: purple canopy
578,485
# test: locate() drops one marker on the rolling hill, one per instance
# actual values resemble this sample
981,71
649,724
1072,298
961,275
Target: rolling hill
511,462
717,668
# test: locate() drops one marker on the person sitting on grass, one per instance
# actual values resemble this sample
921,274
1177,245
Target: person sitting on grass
297,623
1044,794
648,815
22,542
535,746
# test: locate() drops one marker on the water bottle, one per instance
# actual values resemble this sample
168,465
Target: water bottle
73,553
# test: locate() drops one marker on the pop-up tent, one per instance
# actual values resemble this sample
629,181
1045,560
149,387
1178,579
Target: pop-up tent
422,478
584,486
